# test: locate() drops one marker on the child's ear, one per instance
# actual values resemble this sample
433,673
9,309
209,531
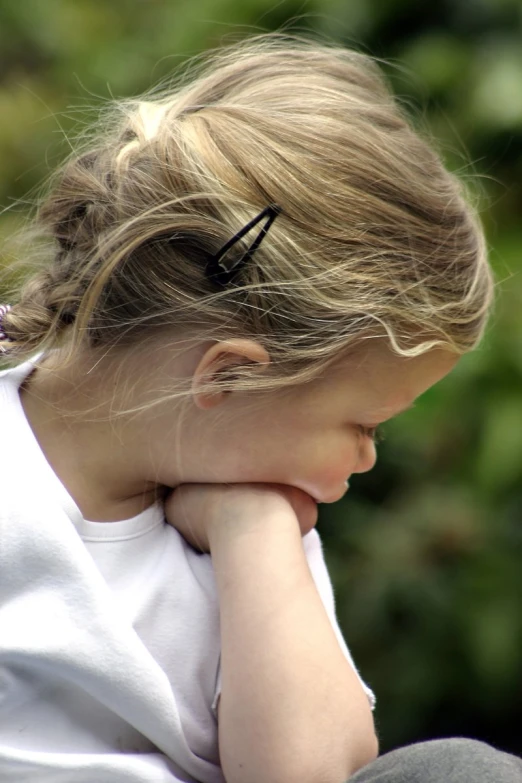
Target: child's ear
218,360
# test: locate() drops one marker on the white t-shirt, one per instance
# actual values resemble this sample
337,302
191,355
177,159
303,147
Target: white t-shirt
109,632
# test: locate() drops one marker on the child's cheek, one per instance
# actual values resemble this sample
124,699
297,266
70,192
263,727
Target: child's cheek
326,479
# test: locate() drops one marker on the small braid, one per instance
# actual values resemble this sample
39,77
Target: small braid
48,302
35,317
4,338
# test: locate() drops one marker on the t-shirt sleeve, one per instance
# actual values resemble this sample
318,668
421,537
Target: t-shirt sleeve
314,554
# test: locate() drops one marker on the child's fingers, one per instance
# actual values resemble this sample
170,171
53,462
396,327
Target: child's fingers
192,508
304,507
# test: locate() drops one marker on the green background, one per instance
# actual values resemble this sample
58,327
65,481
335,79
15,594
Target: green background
426,550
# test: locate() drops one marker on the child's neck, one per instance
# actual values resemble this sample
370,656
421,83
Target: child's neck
99,470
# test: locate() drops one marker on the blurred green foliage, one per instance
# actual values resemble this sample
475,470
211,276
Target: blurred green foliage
426,550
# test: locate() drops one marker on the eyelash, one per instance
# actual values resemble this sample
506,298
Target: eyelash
374,433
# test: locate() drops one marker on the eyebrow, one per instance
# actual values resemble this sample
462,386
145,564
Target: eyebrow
389,416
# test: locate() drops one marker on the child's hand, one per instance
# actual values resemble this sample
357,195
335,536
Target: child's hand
194,509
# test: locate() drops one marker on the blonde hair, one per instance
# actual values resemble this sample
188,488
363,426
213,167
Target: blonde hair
375,238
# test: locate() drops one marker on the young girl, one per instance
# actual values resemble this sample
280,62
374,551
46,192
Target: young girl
250,272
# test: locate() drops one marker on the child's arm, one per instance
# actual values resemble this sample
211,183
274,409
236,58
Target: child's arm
292,709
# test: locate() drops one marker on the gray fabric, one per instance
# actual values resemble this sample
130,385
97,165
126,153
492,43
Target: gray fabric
443,761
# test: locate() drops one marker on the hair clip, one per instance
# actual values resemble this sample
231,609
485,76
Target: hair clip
216,269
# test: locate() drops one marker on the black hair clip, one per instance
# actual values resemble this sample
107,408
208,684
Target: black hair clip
216,269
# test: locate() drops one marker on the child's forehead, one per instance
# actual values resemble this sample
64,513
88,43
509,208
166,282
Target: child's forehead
386,383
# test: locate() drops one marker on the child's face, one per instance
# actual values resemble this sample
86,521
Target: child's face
316,436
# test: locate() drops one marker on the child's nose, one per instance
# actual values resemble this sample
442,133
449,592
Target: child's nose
367,456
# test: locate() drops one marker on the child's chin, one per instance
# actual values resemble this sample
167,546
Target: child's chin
325,497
